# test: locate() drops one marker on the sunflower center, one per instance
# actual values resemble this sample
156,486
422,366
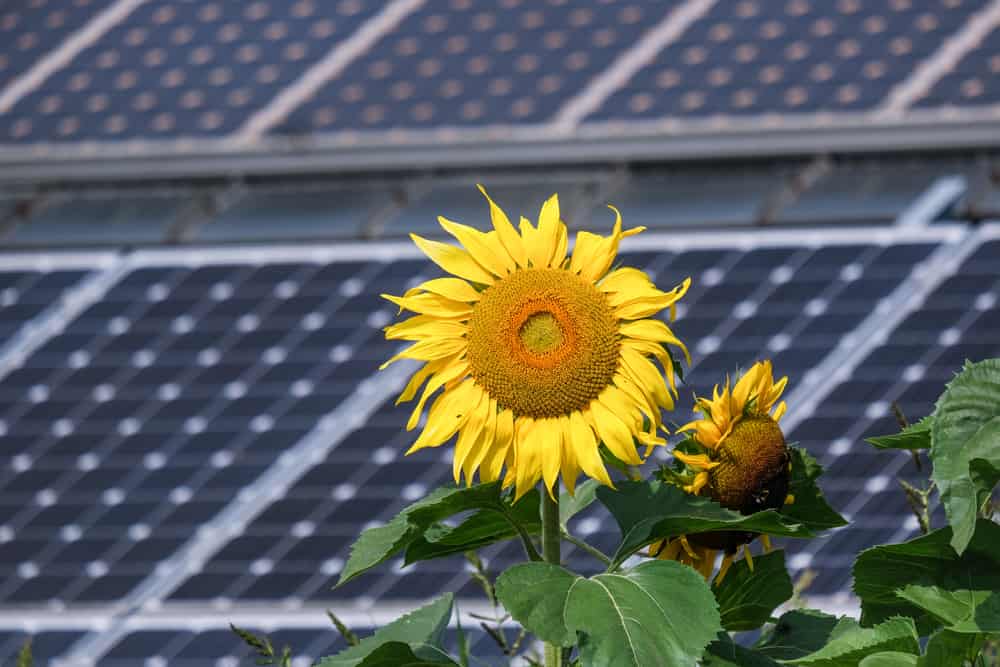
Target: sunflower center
541,333
753,471
543,342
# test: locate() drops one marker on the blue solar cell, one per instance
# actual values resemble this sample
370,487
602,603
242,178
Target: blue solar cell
475,66
748,59
972,81
179,69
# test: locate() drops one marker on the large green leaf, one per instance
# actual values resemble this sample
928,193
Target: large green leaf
650,510
809,507
421,626
659,613
965,446
535,595
849,643
951,649
961,610
724,652
797,633
376,545
747,598
914,436
929,560
487,526
400,654
890,659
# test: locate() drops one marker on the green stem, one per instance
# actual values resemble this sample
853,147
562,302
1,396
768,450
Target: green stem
529,546
550,552
580,544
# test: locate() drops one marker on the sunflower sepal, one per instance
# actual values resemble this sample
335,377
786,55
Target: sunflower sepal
651,510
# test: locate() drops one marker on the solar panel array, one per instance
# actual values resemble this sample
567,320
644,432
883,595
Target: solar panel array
162,401
106,71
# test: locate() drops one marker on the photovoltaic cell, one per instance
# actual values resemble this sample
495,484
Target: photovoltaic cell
476,64
750,58
181,68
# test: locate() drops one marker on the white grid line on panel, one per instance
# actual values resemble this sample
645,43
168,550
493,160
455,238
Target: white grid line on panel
314,447
923,78
36,332
625,66
64,53
330,66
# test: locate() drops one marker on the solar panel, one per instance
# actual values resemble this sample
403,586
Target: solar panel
167,397
181,68
476,64
752,58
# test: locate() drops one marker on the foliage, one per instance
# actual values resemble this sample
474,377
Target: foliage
933,601
747,598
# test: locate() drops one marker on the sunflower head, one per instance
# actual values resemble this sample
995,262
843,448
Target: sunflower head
539,356
738,457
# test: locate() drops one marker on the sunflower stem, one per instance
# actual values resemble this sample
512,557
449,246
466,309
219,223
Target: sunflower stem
580,544
529,546
551,539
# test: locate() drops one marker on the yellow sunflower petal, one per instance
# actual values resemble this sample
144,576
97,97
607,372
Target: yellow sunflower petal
527,456
701,461
443,377
470,431
451,288
655,331
615,434
508,236
548,231
429,350
496,455
549,431
493,258
455,261
587,454
569,466
425,326
447,414
431,304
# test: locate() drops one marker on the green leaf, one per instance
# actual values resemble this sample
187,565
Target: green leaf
849,643
890,659
747,599
659,613
376,545
797,633
810,507
487,526
966,429
400,654
570,506
928,560
421,626
650,510
24,657
724,652
961,610
535,595
914,436
951,649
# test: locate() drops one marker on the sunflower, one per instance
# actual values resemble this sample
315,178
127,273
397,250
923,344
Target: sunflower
739,459
539,356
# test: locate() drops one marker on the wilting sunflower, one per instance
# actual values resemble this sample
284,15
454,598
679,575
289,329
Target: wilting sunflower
742,462
539,357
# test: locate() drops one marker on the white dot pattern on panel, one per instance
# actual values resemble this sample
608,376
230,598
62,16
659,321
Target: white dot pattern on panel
171,68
